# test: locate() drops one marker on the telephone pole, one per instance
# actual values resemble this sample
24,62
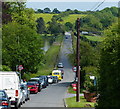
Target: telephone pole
78,61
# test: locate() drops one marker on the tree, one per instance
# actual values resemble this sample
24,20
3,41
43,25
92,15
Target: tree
6,15
40,25
39,11
55,10
76,11
68,9
47,10
21,46
55,27
69,26
109,69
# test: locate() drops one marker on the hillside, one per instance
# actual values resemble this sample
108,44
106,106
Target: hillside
71,18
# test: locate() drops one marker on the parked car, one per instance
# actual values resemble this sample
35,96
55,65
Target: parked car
50,79
25,91
62,72
44,80
55,79
22,97
60,65
10,82
33,87
37,79
58,74
4,100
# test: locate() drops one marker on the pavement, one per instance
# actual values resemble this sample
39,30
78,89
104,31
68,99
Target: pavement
68,95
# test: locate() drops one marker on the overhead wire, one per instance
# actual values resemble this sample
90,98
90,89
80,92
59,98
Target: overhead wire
99,5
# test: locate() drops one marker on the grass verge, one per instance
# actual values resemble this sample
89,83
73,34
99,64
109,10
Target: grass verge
71,102
51,57
94,38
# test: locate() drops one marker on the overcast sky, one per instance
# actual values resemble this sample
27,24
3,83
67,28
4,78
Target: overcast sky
73,0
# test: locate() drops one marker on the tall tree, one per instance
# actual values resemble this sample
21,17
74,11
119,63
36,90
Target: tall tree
40,25
21,46
6,15
109,69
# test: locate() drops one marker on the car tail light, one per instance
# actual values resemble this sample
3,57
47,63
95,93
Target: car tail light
16,92
5,103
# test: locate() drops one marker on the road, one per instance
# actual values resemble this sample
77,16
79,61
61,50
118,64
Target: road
53,95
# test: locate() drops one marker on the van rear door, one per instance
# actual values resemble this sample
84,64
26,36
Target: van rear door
1,85
9,84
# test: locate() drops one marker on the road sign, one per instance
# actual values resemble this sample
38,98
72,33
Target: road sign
74,69
20,67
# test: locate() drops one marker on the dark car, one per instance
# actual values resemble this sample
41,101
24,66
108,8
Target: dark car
62,72
55,79
4,100
44,81
33,87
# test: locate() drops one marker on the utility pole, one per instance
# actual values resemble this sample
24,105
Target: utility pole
78,61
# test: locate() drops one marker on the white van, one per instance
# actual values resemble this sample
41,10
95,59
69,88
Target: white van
10,82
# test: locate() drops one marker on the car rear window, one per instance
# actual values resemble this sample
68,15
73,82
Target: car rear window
31,83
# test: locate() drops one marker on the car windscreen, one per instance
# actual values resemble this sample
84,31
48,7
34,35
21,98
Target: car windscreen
2,94
30,83
33,80
56,73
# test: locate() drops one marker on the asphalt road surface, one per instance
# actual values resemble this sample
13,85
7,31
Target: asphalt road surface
53,95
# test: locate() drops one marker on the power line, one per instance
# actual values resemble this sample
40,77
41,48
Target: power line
95,5
99,5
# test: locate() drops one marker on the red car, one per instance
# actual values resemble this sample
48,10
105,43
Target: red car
74,86
33,87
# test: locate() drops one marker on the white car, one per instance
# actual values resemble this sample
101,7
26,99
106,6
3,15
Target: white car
50,79
60,65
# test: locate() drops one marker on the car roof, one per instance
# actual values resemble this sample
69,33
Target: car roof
56,71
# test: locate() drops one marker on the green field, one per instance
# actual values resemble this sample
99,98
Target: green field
94,38
71,18
46,17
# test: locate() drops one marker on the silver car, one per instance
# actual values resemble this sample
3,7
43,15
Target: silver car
25,91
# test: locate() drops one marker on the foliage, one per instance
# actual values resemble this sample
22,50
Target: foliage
71,102
47,10
109,69
4,68
39,11
69,26
50,58
89,83
55,11
40,25
55,27
21,47
99,20
6,15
